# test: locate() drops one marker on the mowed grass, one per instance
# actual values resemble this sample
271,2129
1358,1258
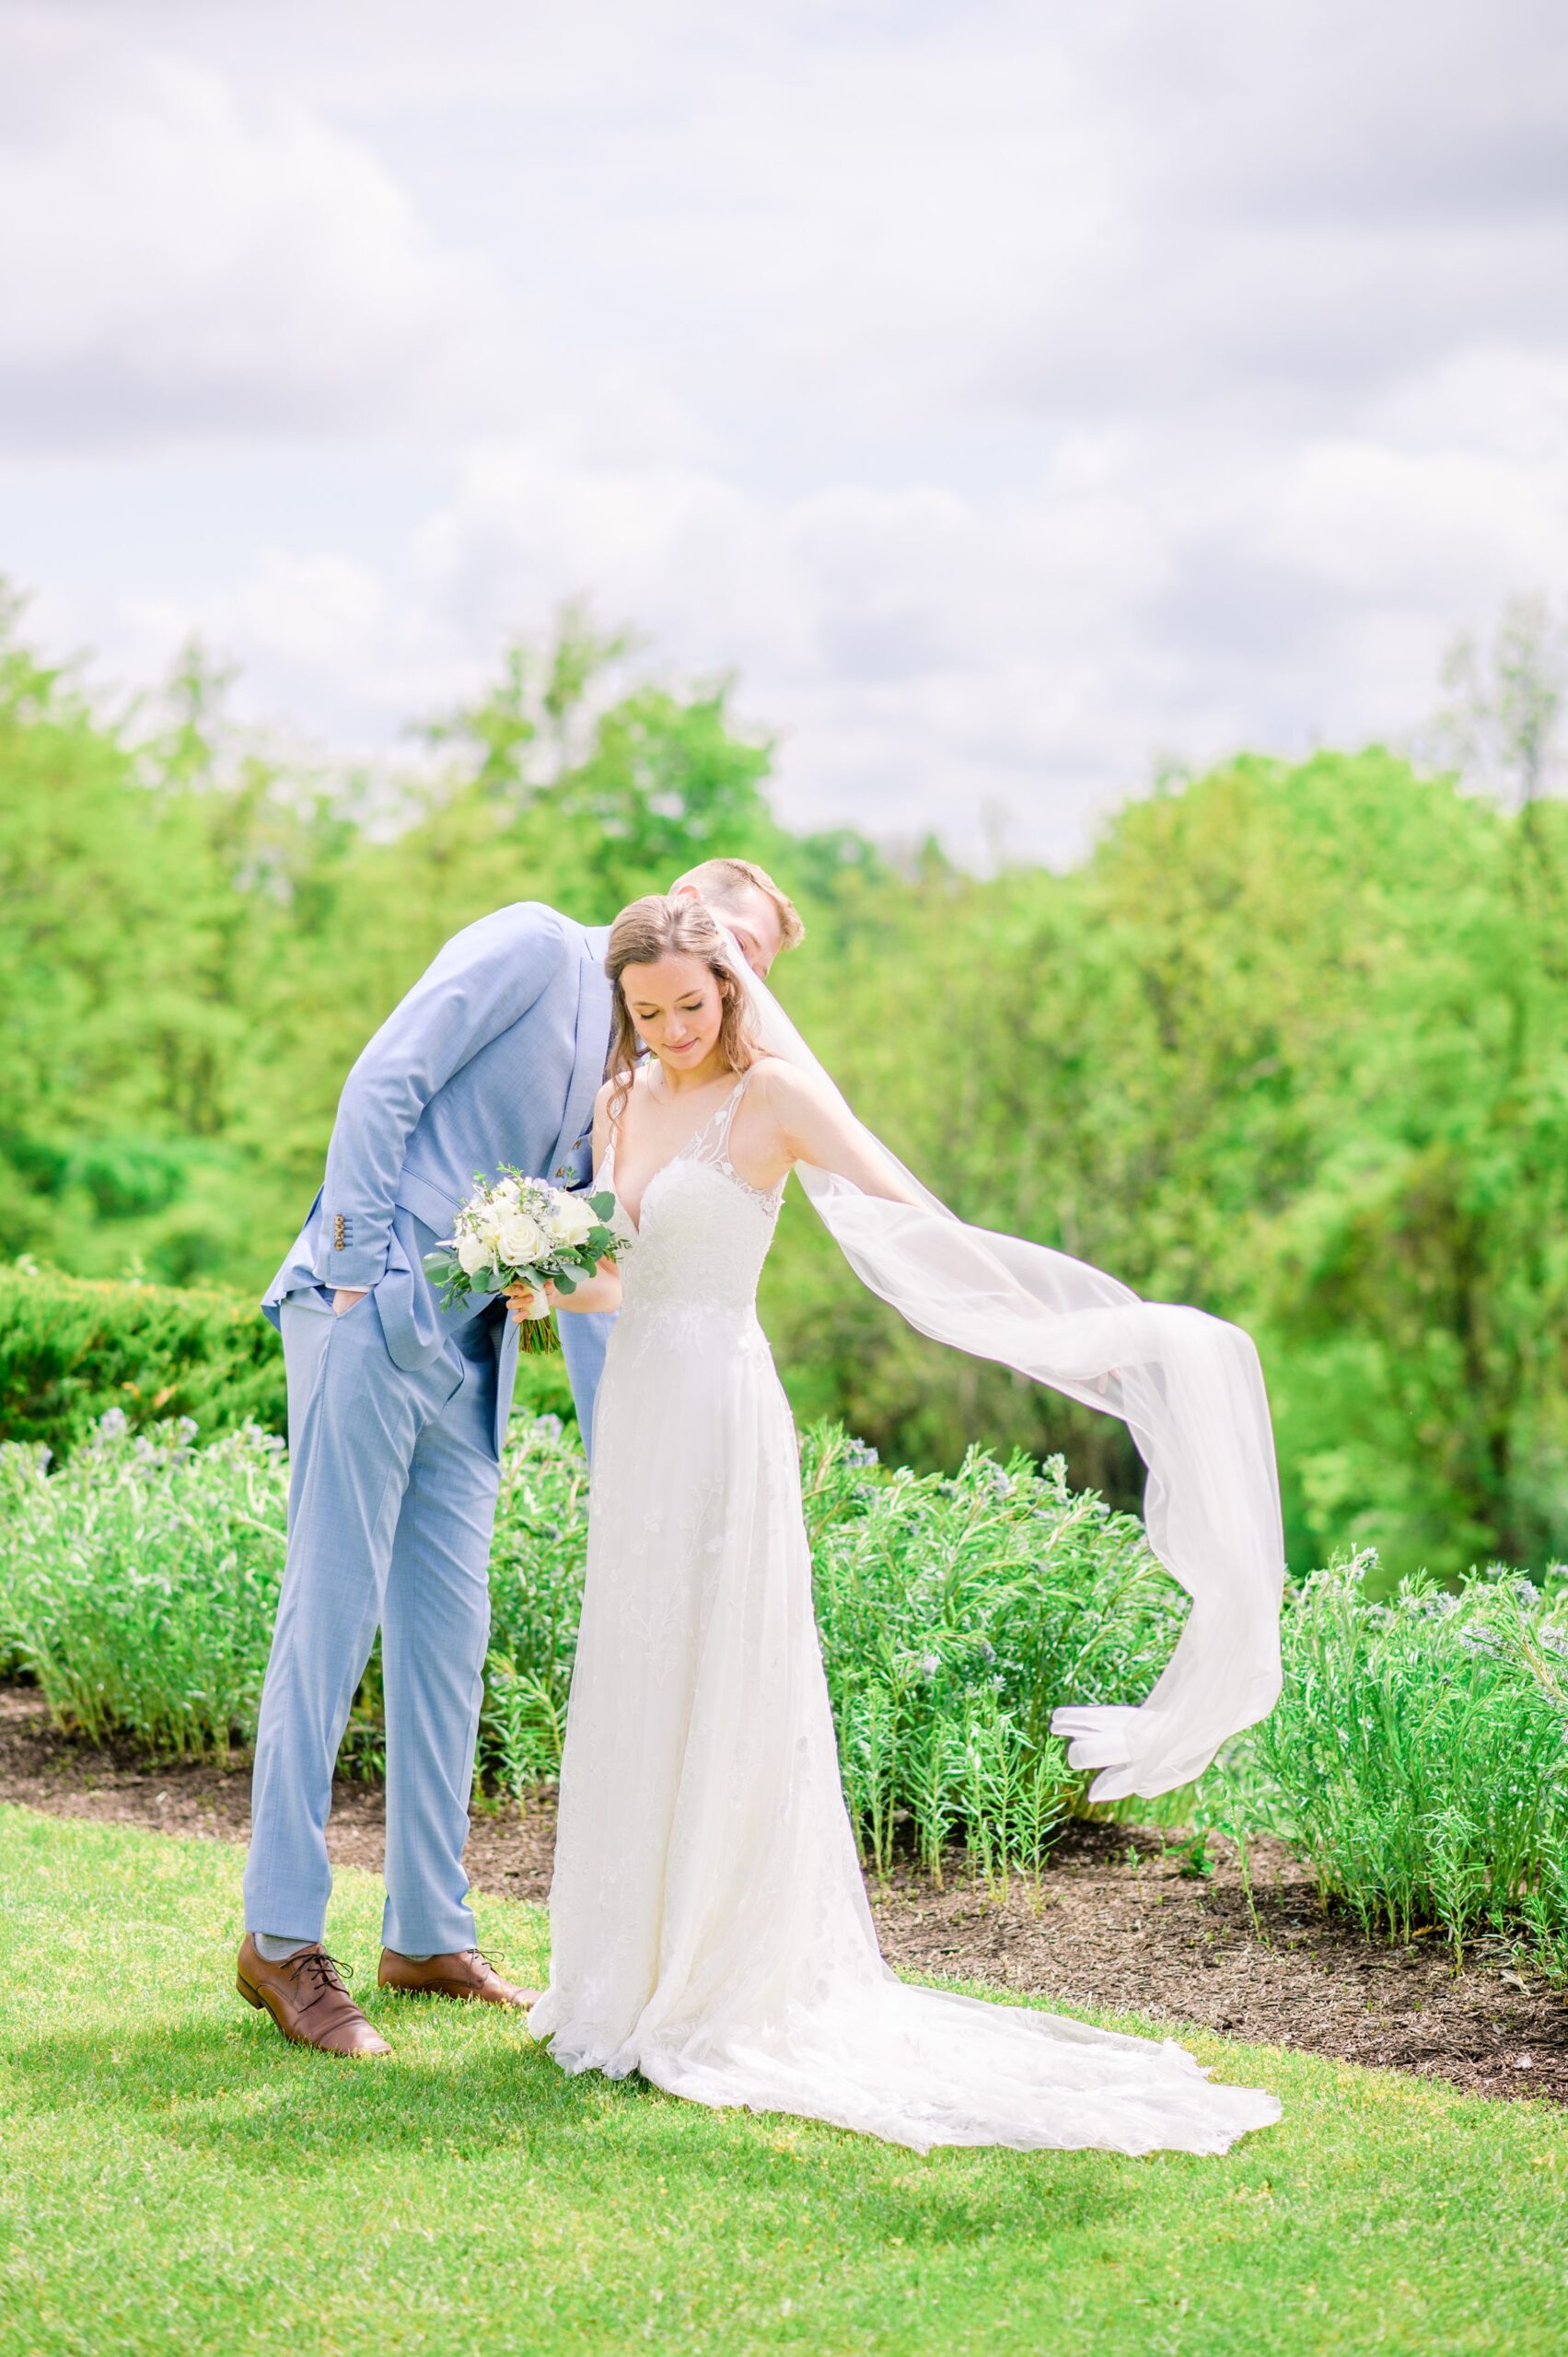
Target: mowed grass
176,2179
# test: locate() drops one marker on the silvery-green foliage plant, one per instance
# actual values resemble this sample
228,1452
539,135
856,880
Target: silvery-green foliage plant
536,1561
1417,1757
957,1612
138,1584
139,1581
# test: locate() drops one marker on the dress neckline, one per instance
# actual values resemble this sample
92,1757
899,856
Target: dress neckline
725,1105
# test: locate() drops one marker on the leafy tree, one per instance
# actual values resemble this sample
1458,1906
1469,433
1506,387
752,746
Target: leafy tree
1509,699
1291,1044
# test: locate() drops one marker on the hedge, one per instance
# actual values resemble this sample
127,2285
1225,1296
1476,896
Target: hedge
73,1348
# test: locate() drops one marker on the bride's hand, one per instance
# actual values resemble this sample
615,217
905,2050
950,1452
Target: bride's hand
524,1300
600,1292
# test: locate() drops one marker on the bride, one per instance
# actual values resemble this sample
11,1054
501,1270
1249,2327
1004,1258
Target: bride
709,1926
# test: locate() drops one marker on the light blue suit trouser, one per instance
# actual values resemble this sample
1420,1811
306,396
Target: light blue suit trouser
391,1502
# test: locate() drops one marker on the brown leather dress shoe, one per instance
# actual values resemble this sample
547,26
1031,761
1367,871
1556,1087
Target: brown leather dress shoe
305,1997
465,1975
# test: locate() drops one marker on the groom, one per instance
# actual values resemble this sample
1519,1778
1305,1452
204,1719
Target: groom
397,1409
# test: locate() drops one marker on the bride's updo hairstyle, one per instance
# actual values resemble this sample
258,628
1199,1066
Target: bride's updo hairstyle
660,927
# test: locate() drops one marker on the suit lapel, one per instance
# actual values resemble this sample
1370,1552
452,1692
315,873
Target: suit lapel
589,1046
591,1043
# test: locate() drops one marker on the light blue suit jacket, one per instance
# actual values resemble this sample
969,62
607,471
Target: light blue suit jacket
494,1056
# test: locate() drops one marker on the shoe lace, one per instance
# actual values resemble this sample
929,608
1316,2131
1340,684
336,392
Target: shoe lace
323,1972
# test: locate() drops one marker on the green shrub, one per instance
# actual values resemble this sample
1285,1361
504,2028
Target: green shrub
957,1612
1417,1757
139,1581
537,1561
73,1348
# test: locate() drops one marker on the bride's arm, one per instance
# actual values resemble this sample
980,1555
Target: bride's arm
600,1292
816,1126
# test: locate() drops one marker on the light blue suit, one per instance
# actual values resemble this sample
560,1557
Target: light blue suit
397,1411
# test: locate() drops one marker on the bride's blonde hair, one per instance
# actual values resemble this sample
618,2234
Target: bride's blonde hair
663,926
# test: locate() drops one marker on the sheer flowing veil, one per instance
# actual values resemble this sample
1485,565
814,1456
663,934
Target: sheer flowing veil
1189,1389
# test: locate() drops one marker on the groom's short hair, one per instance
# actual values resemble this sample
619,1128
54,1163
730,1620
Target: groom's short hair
720,882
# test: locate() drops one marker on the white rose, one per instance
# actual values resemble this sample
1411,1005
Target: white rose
572,1220
521,1240
472,1252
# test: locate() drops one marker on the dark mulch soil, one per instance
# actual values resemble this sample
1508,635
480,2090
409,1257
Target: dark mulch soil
1115,1923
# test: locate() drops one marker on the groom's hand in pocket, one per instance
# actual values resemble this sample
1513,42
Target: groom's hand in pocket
341,1300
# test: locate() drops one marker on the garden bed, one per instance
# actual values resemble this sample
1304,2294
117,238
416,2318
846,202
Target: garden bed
1104,1931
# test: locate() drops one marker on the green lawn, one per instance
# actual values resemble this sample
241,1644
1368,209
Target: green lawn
176,2179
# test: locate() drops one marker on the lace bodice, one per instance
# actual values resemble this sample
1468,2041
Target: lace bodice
703,1232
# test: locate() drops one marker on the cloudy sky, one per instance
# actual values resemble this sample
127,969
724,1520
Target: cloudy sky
1012,396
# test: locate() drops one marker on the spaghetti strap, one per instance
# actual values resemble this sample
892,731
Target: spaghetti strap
723,1118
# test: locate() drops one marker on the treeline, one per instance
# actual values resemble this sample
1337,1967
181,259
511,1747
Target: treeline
196,940
1291,1044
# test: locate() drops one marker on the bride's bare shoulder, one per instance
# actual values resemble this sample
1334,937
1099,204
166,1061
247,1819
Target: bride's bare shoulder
768,1079
606,1090
634,1084
791,1093
782,1081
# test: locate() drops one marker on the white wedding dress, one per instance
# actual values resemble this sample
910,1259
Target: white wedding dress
709,1926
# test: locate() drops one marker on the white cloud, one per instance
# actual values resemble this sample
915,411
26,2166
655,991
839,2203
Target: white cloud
1410,529
176,259
1007,394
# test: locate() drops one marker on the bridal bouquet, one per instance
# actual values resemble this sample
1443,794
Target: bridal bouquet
517,1230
